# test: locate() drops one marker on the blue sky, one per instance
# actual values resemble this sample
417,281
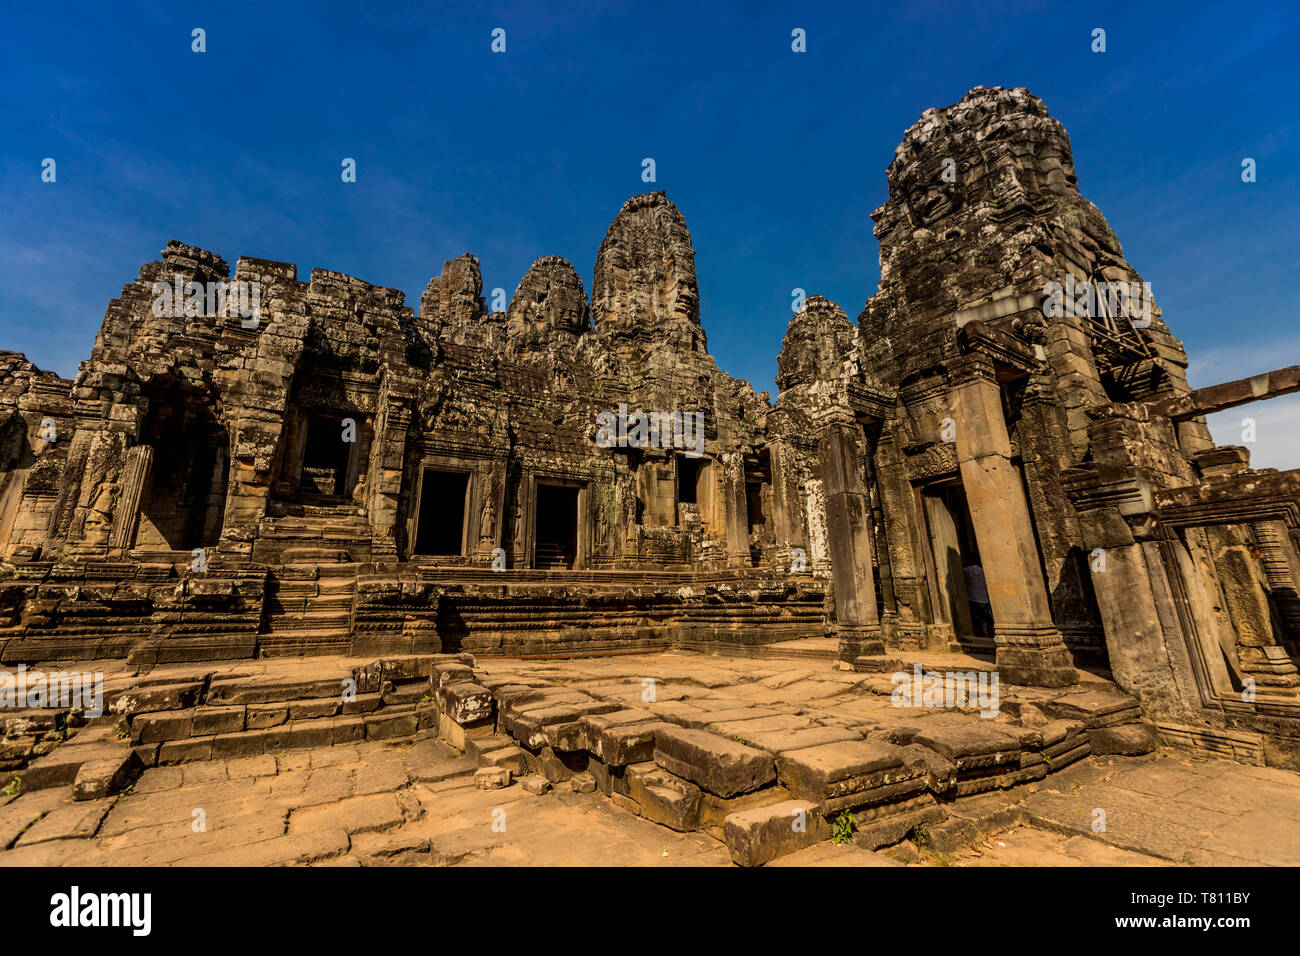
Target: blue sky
775,158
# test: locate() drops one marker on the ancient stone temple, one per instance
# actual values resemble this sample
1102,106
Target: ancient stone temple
1001,457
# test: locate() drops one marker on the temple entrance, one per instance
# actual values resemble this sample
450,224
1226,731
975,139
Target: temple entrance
441,526
183,502
555,519
689,471
326,458
958,589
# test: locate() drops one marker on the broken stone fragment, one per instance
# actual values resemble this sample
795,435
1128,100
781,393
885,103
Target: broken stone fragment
535,784
583,783
492,778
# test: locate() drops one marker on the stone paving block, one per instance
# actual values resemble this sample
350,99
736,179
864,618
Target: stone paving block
363,704
780,741
512,758
383,726
662,797
714,809
105,775
246,743
721,766
844,769
354,815
156,726
970,743
535,784
20,813
261,716
465,702
313,709
218,720
156,697
756,836
347,730
621,744
1128,739
59,767
748,727
76,822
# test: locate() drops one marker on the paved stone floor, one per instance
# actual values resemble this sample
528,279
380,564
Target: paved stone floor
414,802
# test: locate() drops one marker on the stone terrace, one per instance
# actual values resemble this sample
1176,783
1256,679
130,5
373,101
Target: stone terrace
576,762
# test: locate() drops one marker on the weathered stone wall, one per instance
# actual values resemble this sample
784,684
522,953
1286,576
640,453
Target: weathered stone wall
336,472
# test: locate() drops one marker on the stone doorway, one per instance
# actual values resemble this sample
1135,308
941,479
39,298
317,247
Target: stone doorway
440,530
555,518
952,551
326,458
183,501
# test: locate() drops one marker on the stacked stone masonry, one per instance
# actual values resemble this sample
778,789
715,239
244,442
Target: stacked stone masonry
249,465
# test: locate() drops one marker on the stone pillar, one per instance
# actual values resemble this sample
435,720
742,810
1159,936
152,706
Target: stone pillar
1029,647
904,537
1045,454
1282,569
490,502
787,506
848,527
135,477
735,508
385,475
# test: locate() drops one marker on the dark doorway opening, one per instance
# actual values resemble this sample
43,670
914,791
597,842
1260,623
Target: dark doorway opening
183,505
441,527
688,480
754,501
959,574
325,458
556,521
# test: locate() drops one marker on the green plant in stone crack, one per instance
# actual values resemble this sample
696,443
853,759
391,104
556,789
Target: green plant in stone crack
10,790
843,826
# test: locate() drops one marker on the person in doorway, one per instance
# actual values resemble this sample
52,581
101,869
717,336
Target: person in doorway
977,593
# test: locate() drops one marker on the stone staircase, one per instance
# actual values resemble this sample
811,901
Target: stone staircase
182,717
549,555
310,609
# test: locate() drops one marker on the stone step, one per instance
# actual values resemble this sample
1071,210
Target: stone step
261,691
161,726
108,762
386,724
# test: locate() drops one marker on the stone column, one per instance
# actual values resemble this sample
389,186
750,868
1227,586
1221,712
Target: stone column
1282,570
787,507
848,530
1045,454
387,469
135,477
735,508
490,502
1029,647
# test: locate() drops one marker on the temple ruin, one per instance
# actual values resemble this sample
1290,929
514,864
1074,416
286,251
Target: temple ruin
334,472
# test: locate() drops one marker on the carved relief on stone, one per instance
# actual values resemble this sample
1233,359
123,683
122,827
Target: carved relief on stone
99,521
488,516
